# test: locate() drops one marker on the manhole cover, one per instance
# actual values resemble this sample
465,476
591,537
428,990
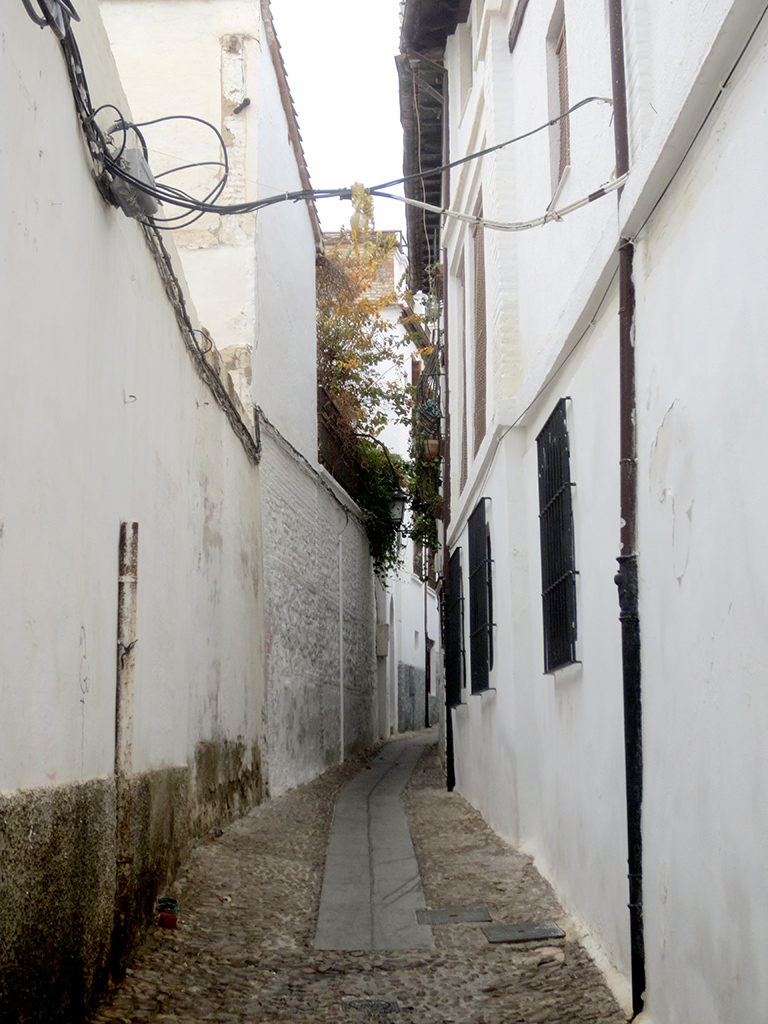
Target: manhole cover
453,915
369,1005
527,931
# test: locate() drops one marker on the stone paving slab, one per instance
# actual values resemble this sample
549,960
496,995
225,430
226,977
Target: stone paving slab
453,915
244,952
526,931
371,890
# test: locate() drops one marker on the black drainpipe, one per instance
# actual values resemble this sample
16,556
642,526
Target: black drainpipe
627,576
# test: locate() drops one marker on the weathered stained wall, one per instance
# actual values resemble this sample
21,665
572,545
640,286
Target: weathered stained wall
200,60
542,755
105,416
702,370
57,890
304,526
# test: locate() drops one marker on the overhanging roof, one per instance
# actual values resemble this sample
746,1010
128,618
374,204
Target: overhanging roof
428,23
425,28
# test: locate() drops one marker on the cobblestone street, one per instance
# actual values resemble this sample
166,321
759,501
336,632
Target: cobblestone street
244,949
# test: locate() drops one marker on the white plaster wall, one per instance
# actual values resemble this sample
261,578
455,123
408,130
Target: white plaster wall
285,356
540,755
702,367
701,305
510,96
176,57
103,418
670,42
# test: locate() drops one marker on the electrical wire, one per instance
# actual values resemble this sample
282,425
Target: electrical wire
495,225
46,17
168,195
492,149
37,18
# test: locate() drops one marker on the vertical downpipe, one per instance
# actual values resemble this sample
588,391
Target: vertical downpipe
427,659
450,768
341,648
627,576
126,660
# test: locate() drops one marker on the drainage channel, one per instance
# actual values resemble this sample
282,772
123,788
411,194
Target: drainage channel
371,885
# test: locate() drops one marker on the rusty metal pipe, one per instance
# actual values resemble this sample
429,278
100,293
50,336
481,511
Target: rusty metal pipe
127,582
627,575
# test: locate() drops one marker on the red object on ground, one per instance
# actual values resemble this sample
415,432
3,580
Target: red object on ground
168,920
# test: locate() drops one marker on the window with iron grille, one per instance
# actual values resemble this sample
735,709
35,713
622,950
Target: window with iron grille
480,599
454,631
558,562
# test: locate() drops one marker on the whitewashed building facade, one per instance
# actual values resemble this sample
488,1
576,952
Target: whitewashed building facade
607,367
252,278
162,546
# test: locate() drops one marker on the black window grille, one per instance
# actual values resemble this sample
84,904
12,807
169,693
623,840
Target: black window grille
480,599
454,631
558,561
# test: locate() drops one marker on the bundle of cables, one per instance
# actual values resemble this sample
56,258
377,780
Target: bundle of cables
124,178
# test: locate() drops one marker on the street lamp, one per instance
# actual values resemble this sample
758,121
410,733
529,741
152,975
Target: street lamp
397,507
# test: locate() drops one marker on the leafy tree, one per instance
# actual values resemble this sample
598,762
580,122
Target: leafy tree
355,342
356,347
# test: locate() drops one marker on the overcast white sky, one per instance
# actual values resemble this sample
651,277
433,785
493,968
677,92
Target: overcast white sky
340,60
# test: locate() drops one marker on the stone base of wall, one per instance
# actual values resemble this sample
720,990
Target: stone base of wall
57,889
75,896
410,699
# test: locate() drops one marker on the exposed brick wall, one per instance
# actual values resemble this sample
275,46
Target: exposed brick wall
302,521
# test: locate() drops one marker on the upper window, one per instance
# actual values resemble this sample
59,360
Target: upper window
466,59
564,147
559,103
558,562
480,599
480,335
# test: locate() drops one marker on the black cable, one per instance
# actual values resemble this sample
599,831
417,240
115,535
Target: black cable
491,149
72,12
186,167
167,223
46,18
169,194
49,19
38,19
187,202
189,117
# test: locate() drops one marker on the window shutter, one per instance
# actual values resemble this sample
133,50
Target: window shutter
480,599
558,562
454,632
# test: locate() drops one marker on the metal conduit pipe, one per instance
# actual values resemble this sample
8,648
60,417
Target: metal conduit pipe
627,575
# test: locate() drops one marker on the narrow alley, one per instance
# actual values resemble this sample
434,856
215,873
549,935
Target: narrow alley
245,948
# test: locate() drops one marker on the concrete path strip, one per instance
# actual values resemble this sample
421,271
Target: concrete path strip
372,886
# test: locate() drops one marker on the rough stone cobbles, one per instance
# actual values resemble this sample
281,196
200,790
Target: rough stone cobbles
243,952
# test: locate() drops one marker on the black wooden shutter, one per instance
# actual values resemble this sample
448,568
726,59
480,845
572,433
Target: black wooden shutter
558,561
454,632
480,599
